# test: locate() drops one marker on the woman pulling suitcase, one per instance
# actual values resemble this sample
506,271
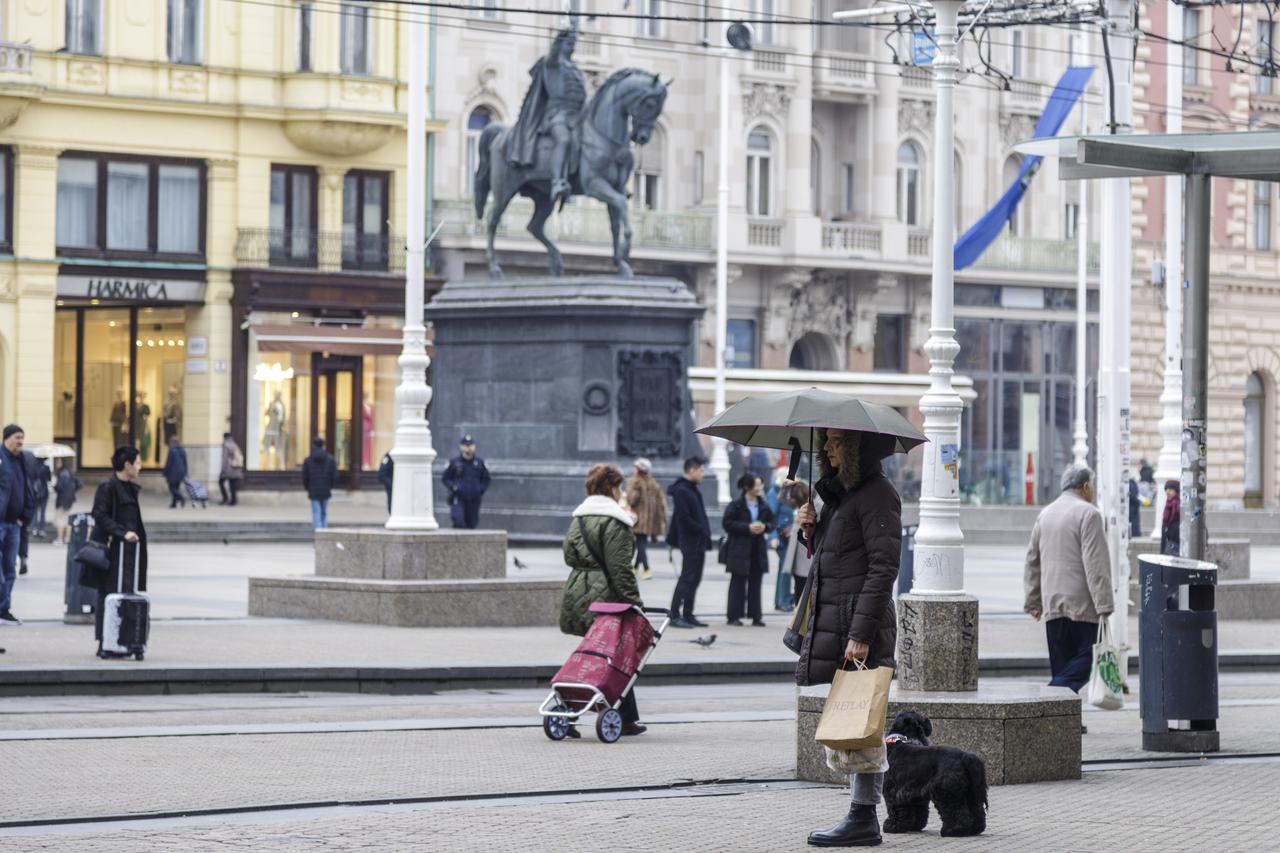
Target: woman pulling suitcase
117,517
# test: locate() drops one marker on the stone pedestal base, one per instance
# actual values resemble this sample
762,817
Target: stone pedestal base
1024,733
937,642
1180,741
440,578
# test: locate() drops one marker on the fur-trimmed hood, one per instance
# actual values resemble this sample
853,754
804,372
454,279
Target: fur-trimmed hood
600,505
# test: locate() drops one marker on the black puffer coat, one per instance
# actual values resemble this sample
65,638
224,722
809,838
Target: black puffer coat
855,564
747,553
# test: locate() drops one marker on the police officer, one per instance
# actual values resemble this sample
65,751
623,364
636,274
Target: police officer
466,480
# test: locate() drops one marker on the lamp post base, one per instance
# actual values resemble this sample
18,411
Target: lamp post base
938,642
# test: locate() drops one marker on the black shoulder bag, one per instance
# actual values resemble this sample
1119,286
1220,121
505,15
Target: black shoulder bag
92,556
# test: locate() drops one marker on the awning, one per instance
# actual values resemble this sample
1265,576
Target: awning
335,340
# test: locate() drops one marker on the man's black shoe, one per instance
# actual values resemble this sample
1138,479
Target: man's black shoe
695,622
737,622
7,618
634,729
759,623
22,568
859,829
677,622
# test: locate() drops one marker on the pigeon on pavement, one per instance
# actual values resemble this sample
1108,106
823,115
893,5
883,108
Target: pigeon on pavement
704,641
519,565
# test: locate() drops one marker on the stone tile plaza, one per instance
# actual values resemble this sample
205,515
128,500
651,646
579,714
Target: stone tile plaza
503,427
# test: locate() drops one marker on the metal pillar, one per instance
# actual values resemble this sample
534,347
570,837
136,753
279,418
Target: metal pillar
1169,463
719,456
1195,374
939,564
1114,328
1080,445
411,499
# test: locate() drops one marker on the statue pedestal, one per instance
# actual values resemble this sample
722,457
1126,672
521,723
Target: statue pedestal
552,375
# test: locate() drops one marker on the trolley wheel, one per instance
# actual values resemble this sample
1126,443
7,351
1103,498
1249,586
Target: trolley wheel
609,725
138,656
556,727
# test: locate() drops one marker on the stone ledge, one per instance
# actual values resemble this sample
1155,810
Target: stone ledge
1024,733
376,553
1235,599
1232,556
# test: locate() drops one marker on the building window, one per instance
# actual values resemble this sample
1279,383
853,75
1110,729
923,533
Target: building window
890,351
1017,54
6,200
84,26
762,16
651,24
1190,38
699,176
815,178
1266,41
646,180
846,188
293,216
364,220
306,24
1261,215
130,206
484,9
1070,220
1018,219
357,38
185,31
759,168
1255,398
908,184
476,123
742,343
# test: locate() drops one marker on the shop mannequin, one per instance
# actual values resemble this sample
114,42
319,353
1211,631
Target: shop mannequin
172,415
366,454
119,414
141,424
273,439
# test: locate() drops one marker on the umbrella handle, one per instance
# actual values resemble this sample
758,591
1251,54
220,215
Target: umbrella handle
795,458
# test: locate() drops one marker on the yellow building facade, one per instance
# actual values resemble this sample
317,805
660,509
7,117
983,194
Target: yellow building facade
200,208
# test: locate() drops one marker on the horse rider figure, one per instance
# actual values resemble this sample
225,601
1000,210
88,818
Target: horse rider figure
552,106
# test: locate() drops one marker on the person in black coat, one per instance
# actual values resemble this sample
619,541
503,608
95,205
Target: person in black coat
387,475
748,521
38,484
319,475
175,471
117,521
1171,522
855,563
690,533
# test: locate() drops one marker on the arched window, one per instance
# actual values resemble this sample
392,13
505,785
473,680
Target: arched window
1255,407
646,180
814,351
908,184
1018,221
815,177
476,122
759,172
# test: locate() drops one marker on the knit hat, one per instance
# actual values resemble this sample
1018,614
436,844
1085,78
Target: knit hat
644,465
1173,484
11,429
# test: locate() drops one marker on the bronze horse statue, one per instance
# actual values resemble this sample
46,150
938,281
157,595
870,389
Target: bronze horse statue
623,111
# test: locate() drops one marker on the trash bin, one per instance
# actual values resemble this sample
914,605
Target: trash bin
79,599
907,558
1178,654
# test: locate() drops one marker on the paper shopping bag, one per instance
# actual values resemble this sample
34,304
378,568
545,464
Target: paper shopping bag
1105,689
853,717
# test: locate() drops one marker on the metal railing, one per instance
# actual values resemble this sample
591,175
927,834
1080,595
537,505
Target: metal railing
851,237
585,224
302,248
15,58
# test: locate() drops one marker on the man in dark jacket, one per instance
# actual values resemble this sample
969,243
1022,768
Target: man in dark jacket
38,484
387,475
466,480
17,503
690,532
175,471
319,473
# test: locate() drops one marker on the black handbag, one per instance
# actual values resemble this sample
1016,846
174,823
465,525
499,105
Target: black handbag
722,551
93,555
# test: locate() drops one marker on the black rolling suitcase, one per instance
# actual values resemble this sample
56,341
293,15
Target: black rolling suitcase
126,617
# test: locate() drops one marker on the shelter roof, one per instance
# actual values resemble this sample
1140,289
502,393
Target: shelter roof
1251,155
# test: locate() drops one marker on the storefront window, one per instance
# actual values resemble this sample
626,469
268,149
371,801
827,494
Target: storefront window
378,411
158,406
281,386
64,375
104,424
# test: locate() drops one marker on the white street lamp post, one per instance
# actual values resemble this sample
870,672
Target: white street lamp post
1080,447
719,455
1169,463
411,499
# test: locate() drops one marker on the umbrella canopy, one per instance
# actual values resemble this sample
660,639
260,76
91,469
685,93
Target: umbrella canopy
52,451
792,419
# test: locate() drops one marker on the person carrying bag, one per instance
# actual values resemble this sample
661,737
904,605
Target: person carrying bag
1105,689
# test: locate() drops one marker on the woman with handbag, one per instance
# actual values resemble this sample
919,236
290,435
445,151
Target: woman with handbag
599,549
117,523
747,521
855,563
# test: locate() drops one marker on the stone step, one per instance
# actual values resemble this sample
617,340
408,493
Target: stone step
1235,599
1232,556
409,603
375,553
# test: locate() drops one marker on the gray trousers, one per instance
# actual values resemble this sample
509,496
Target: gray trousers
865,788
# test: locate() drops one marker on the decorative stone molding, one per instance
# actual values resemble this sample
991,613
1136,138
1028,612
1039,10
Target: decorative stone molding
915,116
921,313
337,138
766,99
864,318
822,305
484,87
779,306
1015,127
705,286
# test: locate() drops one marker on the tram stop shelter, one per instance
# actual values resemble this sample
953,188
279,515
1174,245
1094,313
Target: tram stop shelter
1249,155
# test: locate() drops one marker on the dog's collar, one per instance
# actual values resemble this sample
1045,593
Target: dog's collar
900,738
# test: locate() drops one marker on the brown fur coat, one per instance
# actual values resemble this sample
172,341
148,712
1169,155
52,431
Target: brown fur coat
646,499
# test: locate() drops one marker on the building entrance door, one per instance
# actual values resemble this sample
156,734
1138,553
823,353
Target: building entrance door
335,400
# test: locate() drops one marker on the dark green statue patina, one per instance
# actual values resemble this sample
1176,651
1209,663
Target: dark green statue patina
564,144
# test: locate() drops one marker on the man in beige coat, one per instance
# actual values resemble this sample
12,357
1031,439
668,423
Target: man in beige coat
1068,577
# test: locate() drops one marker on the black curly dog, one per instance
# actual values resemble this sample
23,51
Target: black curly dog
955,780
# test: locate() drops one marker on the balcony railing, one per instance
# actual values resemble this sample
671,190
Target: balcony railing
302,248
851,238
917,78
919,243
15,58
585,224
1024,90
769,61
1035,254
765,232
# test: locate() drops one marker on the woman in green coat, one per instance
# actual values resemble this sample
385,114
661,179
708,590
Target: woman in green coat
608,529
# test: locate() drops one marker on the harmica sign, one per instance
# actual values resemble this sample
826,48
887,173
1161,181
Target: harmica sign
129,288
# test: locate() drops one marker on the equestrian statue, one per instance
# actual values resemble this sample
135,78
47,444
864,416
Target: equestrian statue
564,144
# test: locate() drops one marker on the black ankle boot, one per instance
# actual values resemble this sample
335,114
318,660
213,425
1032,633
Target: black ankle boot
860,828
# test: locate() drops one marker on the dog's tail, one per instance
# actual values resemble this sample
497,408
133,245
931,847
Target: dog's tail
976,772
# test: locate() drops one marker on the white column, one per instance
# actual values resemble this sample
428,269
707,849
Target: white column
1114,331
1169,463
939,556
411,499
1080,446
719,456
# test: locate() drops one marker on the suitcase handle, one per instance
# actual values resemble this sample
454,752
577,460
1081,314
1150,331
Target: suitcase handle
136,557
